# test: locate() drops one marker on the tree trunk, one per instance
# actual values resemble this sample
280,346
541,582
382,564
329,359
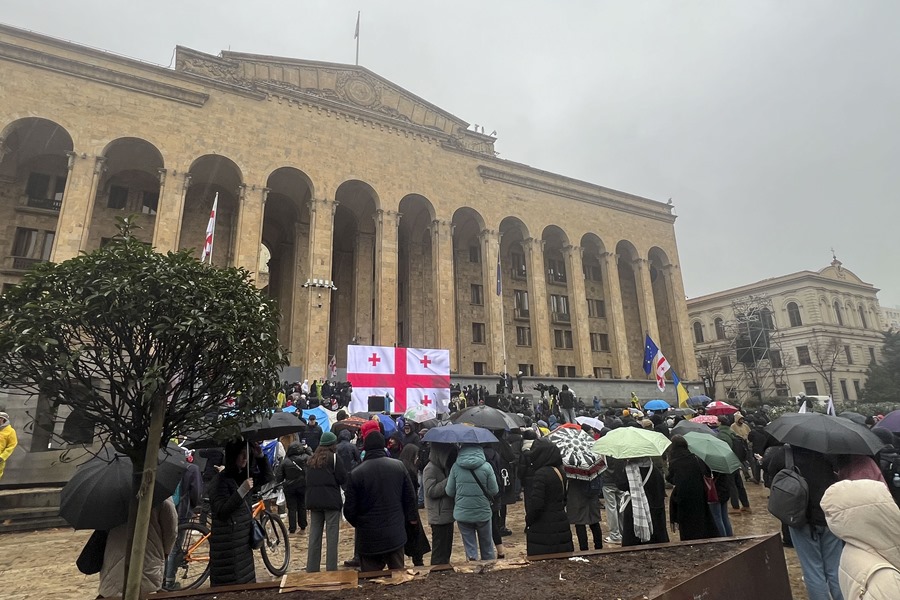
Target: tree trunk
145,501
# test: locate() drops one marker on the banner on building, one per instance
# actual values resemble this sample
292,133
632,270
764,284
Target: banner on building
409,376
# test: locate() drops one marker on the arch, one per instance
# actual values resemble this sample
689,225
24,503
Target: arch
124,151
212,175
698,332
658,256
517,296
356,193
594,249
415,273
628,286
628,252
719,325
514,225
473,287
795,319
555,233
464,215
838,312
36,136
592,242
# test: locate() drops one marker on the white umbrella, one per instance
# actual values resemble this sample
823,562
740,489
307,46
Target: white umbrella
591,422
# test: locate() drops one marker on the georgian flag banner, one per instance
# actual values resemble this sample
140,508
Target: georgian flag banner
655,362
210,231
411,376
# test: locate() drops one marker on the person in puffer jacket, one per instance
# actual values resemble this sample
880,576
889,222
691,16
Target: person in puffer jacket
863,514
548,530
292,471
438,503
472,484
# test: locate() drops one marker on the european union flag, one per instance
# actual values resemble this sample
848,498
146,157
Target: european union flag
650,352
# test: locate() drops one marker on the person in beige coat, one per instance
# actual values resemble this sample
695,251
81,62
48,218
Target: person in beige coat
863,514
160,539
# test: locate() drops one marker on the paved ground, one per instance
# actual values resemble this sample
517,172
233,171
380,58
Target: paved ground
40,565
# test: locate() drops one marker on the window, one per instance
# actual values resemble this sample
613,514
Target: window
775,359
856,388
565,371
720,328
49,237
477,294
149,203
24,242
477,333
844,391
523,336
698,332
518,266
527,369
480,368
838,315
871,354
118,197
602,373
474,254
726,364
596,308
781,390
765,317
731,392
810,388
794,314
559,304
862,318
520,298
803,355
556,270
562,338
38,186
593,273
848,355
599,342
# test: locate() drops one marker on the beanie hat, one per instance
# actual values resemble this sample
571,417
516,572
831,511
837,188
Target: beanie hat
374,441
626,412
647,424
368,427
328,439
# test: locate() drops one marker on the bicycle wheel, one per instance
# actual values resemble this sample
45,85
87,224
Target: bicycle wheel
276,551
193,569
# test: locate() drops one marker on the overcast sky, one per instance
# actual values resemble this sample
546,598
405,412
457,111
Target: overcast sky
773,125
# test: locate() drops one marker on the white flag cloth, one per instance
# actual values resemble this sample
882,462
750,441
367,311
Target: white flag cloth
412,376
210,231
802,407
830,409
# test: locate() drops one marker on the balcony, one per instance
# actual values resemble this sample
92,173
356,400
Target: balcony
43,203
522,314
556,277
559,317
519,274
20,263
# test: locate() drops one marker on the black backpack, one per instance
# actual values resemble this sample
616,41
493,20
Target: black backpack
789,493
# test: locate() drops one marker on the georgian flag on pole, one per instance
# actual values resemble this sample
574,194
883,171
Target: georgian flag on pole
412,376
210,231
655,362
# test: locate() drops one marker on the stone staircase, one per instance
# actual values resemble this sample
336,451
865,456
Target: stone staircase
30,508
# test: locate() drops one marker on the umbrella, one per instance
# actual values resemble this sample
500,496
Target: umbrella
351,424
459,434
683,427
98,494
484,416
853,416
419,413
657,405
716,453
591,422
274,426
698,400
823,433
720,408
323,418
576,447
891,421
681,412
706,420
631,442
435,422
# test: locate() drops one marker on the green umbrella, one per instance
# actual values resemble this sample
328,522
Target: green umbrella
716,453
631,442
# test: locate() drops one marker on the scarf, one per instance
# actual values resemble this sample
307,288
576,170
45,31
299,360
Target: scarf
640,508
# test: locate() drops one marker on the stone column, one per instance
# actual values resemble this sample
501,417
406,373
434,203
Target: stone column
167,232
444,288
645,294
301,299
578,306
681,327
321,237
615,314
363,289
490,249
99,170
251,211
386,223
540,312
71,226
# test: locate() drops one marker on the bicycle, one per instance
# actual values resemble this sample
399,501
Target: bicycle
193,570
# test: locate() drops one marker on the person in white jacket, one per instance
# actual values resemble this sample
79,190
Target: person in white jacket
864,515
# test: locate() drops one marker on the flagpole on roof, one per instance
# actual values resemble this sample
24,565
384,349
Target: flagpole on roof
356,36
502,318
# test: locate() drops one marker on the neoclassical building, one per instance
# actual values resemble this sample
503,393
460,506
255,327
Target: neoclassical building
381,217
803,328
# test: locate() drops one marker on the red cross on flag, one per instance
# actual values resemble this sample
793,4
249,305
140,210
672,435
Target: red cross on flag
412,376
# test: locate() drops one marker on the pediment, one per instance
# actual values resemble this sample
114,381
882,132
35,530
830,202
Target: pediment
350,85
839,273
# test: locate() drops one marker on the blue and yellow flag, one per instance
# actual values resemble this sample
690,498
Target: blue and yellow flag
680,391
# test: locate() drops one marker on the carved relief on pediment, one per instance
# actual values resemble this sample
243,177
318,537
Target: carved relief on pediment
219,70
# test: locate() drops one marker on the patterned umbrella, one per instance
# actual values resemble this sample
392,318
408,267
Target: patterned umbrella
579,460
419,413
706,420
720,408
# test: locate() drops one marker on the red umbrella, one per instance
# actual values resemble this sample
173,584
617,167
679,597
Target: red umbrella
720,408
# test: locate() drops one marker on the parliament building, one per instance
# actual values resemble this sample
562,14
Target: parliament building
371,215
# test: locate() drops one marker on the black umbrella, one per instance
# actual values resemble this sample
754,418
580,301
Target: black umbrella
823,433
272,427
484,416
98,495
853,416
683,427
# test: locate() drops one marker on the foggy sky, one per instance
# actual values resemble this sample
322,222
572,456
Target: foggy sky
773,125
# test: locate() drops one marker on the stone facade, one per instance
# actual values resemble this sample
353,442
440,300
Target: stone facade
821,323
345,178
890,318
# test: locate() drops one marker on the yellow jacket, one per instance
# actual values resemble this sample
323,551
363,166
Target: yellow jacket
8,443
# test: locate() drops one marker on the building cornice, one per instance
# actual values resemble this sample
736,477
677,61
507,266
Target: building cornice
798,281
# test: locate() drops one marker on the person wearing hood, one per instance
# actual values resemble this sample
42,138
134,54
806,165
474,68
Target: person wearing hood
863,514
347,450
292,471
379,503
8,441
473,485
741,430
688,502
439,505
659,425
547,528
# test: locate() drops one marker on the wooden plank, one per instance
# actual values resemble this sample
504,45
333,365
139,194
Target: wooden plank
324,580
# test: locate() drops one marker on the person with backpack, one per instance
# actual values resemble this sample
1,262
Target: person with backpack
818,549
473,485
292,472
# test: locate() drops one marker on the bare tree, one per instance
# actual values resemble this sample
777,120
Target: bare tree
825,352
709,363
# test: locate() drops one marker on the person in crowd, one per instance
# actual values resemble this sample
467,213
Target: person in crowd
519,376
408,436
379,502
738,493
688,501
230,553
583,510
190,497
547,528
612,498
160,539
313,432
889,461
292,472
373,424
472,484
347,450
8,441
492,453
741,430
439,504
659,425
863,515
772,452
760,441
325,475
643,514
417,545
509,471
566,404
857,466
719,509
818,549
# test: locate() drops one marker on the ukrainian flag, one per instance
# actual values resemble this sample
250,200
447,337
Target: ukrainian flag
680,391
